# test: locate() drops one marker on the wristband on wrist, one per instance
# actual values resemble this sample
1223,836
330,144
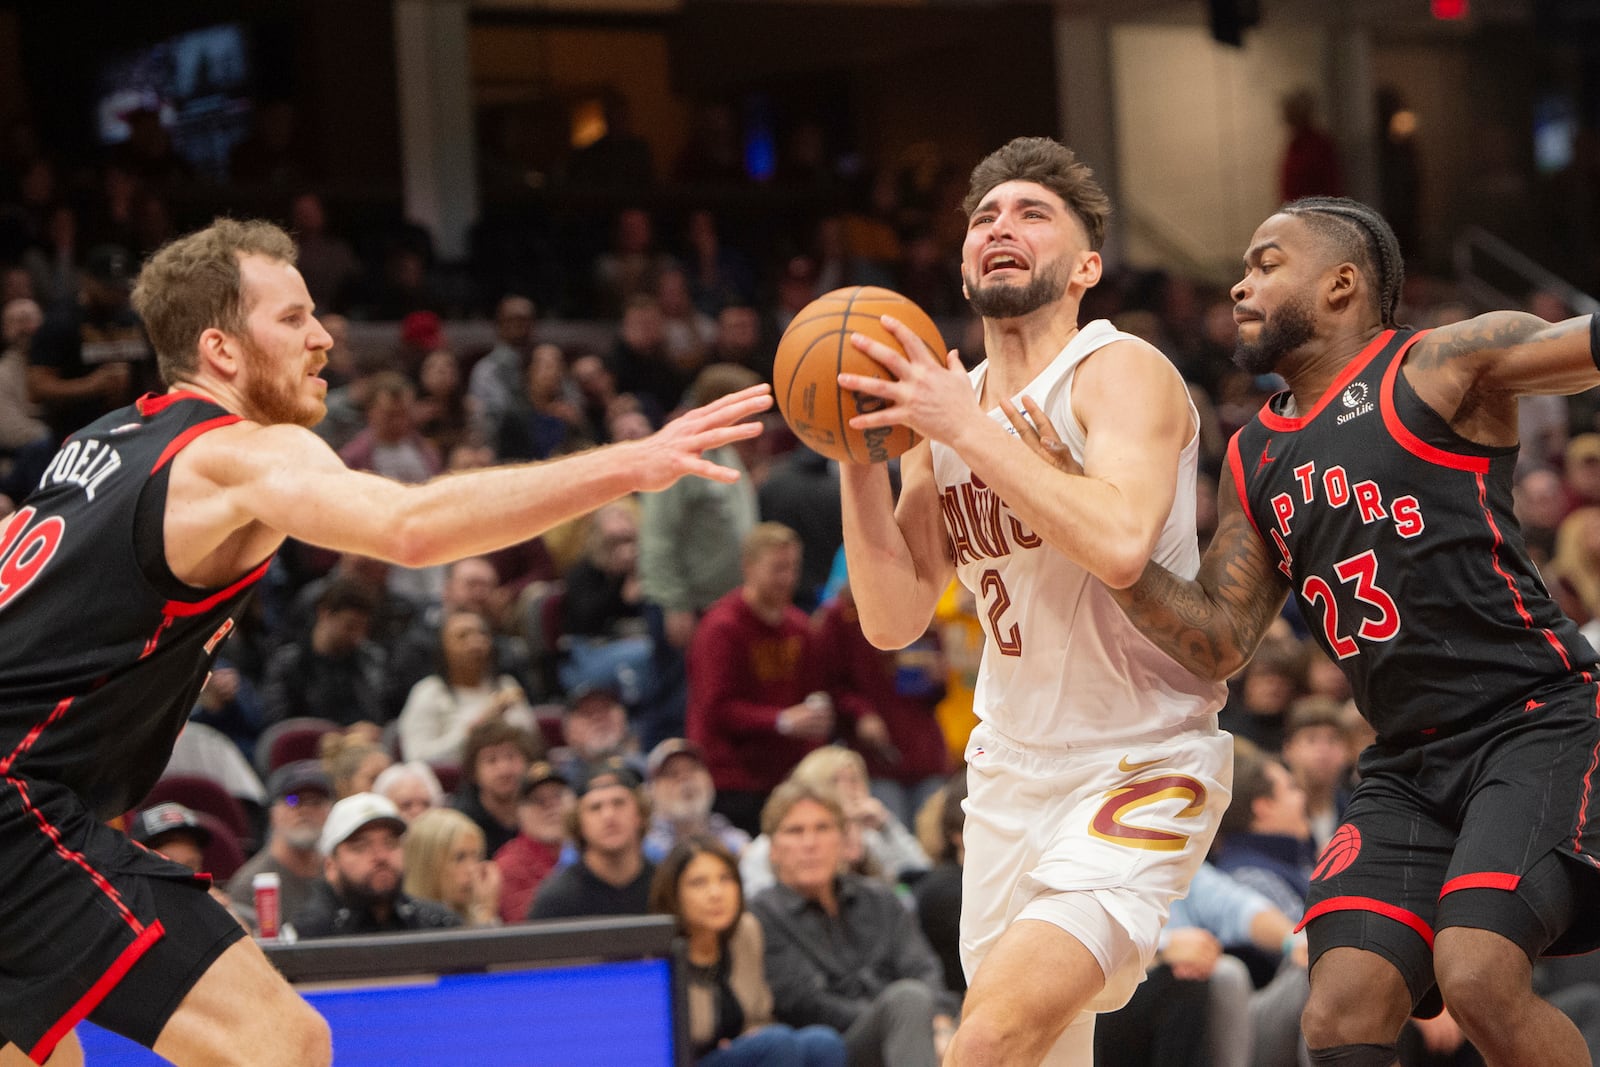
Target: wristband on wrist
1594,339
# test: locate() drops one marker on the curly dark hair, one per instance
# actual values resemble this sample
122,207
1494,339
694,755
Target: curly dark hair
1050,164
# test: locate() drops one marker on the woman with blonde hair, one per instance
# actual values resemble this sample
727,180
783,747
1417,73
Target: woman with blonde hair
445,862
353,759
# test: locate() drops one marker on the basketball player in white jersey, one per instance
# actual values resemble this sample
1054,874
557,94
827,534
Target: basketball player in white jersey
1097,773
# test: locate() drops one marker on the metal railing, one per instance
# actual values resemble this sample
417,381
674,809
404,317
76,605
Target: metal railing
1486,266
1179,250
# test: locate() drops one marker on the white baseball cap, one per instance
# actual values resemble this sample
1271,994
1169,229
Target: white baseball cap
354,812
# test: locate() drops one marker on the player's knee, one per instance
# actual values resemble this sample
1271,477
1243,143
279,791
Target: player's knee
1482,977
308,1040
1356,998
1478,994
981,1040
1337,1015
997,1037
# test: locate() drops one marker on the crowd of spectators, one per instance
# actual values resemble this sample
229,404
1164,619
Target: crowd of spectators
669,704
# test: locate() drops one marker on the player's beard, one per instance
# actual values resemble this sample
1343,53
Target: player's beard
273,399
1285,330
1000,301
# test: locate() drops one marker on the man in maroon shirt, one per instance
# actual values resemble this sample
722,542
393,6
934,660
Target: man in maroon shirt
754,708
527,859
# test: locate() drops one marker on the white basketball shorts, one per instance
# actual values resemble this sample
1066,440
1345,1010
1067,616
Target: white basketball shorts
1097,840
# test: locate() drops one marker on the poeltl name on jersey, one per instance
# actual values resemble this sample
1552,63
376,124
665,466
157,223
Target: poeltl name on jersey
86,464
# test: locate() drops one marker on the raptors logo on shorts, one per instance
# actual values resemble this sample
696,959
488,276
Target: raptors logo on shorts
1339,853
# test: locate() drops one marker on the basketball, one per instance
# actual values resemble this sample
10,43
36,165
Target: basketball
816,349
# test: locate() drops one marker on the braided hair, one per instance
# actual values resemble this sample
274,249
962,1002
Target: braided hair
1362,236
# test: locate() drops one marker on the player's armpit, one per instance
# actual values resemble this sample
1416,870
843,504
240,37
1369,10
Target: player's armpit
1211,625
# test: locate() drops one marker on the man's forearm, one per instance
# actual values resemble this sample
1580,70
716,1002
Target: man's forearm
1179,617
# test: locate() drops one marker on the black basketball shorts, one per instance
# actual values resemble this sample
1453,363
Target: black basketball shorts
1494,828
92,925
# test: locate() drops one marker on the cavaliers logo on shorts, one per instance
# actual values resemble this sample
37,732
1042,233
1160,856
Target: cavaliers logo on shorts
1339,853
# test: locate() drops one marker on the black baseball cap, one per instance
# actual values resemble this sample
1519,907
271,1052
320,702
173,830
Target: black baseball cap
612,771
538,774
162,819
300,776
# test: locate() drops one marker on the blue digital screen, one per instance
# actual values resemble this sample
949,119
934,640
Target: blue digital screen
608,1013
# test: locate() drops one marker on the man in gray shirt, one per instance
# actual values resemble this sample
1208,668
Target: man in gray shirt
301,798
842,950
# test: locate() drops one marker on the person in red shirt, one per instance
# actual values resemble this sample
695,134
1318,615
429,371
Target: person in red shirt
888,698
527,859
755,706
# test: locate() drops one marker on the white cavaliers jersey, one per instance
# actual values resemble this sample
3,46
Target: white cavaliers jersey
1062,665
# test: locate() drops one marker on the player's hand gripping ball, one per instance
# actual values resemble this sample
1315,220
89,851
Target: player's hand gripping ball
816,349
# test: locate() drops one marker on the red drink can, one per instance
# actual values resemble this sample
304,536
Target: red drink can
265,886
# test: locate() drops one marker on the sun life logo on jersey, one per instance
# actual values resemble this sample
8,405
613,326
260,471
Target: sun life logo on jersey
1354,397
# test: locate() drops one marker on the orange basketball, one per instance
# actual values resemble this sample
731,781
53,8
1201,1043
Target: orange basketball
816,349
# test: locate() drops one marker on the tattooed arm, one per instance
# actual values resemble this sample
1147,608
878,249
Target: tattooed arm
1512,352
1213,623
1210,624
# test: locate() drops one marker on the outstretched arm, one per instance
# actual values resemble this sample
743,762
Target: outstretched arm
1211,624
249,483
1513,352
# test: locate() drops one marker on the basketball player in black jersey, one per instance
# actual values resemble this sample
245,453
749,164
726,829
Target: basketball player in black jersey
121,575
1377,489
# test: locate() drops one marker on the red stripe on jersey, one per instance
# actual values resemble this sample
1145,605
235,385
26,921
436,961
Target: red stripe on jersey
96,993
200,607
180,442
33,735
1410,441
1588,783
1273,421
1511,583
1482,880
76,858
155,403
1236,464
1377,907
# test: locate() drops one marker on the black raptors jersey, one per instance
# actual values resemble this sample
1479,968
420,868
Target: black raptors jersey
102,650
1397,537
